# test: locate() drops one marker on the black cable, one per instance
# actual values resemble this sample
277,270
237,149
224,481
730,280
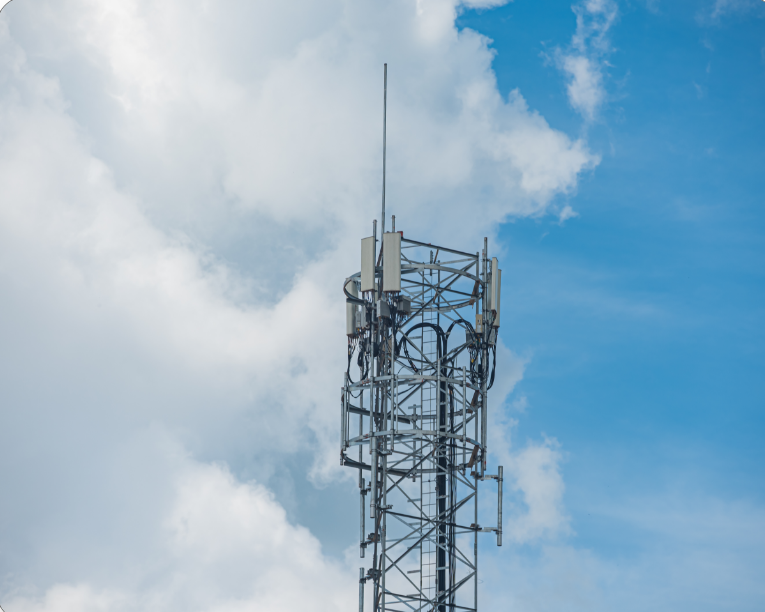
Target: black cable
351,349
494,367
404,335
470,327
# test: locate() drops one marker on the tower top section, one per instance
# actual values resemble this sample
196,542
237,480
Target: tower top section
422,323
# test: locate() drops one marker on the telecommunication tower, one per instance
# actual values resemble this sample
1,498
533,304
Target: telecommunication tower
422,323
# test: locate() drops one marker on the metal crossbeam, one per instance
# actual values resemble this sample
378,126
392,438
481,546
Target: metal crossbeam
419,497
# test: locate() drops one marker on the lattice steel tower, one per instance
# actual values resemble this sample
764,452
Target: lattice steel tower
422,323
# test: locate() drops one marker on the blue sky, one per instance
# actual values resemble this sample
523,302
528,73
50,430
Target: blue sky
184,186
643,316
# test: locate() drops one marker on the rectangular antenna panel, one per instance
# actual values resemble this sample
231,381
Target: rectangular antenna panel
493,284
499,295
351,310
391,262
368,264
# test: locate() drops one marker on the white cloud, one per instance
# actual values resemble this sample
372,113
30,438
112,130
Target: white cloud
199,151
722,8
534,487
68,598
224,546
533,472
682,554
184,186
183,189
567,213
585,87
484,4
584,60
295,135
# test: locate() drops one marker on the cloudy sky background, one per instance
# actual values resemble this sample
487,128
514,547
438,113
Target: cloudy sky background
182,190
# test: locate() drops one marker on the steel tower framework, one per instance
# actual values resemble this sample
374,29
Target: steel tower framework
422,323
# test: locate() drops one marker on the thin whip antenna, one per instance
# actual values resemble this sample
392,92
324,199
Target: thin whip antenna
385,118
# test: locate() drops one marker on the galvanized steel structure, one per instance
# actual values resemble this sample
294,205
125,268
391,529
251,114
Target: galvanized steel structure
422,324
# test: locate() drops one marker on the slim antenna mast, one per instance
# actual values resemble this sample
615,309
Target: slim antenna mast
385,117
418,415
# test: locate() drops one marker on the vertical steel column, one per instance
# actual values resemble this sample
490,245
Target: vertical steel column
464,418
393,406
484,365
361,433
362,483
371,408
362,521
385,121
373,480
478,304
499,505
343,411
422,426
383,525
484,359
361,589
475,532
442,482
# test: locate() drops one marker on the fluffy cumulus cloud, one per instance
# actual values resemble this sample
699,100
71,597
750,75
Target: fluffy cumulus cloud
184,185
221,545
534,508
536,472
584,60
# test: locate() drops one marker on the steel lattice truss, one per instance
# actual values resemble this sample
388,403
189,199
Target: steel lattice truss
413,422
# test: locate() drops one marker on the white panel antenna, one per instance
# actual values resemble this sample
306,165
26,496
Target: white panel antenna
392,262
368,264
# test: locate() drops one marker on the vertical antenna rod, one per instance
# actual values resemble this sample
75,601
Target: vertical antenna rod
385,118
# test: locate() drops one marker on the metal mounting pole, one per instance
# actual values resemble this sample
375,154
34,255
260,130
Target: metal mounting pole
385,119
361,589
485,357
499,505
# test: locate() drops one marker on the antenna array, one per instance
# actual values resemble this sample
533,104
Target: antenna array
414,422
415,409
